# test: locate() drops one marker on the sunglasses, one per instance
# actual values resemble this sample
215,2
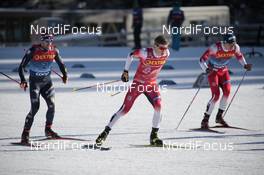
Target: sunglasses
162,47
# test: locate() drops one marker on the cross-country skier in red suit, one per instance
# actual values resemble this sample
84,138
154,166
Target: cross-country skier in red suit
214,61
151,61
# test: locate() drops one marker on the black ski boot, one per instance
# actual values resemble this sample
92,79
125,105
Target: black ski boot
154,139
204,123
50,133
102,137
219,118
25,137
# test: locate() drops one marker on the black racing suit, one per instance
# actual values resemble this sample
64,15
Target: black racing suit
40,83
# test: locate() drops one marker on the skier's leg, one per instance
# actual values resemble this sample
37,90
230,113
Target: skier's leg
125,108
214,86
226,87
131,96
154,98
34,91
48,93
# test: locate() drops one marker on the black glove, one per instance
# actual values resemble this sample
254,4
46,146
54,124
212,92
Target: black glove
248,67
208,70
125,77
64,79
24,85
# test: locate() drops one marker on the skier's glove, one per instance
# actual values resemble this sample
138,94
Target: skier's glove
125,77
64,79
248,67
208,70
24,85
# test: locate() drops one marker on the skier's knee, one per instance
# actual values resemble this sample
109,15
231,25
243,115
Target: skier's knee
34,108
157,105
216,96
226,92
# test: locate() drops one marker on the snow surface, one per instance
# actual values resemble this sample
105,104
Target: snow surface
84,114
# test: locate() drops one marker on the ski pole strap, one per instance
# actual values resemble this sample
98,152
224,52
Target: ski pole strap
92,86
240,83
10,78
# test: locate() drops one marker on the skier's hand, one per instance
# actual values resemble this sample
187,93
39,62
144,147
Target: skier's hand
23,85
248,67
64,79
208,70
125,76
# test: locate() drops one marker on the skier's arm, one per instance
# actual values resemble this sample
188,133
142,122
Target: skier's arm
27,57
128,61
205,57
125,75
60,63
61,66
240,57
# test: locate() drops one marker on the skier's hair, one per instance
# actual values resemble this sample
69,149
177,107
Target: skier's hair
160,40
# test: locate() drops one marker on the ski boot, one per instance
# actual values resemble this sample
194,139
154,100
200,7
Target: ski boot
205,121
50,133
25,137
154,139
219,118
102,137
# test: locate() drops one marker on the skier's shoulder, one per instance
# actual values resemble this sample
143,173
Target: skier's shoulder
237,48
214,47
32,49
140,52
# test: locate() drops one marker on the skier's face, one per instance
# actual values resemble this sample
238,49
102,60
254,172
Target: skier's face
161,47
46,44
229,46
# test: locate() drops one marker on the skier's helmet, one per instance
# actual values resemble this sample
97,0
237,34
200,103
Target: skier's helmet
229,38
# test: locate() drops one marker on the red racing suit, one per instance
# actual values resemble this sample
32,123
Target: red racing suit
216,59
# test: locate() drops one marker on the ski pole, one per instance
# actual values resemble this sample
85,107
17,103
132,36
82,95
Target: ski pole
115,93
188,107
88,87
200,85
56,73
10,78
240,83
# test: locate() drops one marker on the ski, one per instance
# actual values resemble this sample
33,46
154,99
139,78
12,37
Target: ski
96,147
231,127
61,138
206,130
24,144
